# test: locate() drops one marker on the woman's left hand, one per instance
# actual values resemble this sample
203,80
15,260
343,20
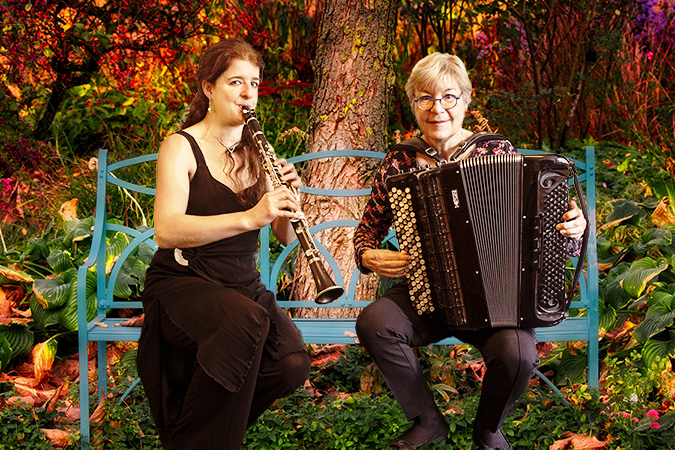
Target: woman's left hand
288,174
574,223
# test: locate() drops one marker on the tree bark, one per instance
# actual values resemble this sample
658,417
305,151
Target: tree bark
353,78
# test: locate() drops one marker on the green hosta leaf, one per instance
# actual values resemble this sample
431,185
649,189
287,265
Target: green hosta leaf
5,352
660,315
114,247
641,272
52,292
623,210
43,317
130,278
572,367
555,354
662,345
664,188
607,317
145,253
77,231
669,250
658,236
123,285
68,314
91,295
60,260
20,338
129,358
614,293
37,249
661,237
8,275
604,247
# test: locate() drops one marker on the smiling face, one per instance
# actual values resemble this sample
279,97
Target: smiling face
441,128
234,88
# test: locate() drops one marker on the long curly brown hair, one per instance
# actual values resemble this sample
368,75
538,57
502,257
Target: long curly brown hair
216,60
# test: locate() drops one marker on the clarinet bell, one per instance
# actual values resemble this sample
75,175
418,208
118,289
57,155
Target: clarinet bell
329,294
326,289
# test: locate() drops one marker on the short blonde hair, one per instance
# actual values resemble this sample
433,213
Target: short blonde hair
433,71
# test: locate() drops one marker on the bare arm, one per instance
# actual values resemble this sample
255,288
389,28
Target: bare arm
176,229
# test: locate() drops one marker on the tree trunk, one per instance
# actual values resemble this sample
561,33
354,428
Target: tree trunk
353,77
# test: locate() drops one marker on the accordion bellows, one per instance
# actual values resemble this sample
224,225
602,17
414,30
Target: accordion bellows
482,237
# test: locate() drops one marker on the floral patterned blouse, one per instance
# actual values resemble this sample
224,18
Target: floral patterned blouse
377,217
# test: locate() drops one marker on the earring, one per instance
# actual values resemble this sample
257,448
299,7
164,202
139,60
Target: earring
209,105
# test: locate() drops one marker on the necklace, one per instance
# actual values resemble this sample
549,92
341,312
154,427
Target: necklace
229,149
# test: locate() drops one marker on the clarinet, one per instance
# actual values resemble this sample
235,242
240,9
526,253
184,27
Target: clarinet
326,289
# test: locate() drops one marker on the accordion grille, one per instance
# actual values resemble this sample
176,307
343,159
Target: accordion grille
553,252
494,198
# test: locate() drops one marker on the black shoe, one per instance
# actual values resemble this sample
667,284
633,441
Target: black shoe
498,439
405,442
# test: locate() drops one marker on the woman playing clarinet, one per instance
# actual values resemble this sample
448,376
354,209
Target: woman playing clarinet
215,349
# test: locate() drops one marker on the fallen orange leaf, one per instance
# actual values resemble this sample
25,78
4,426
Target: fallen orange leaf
68,210
577,442
43,358
60,438
99,413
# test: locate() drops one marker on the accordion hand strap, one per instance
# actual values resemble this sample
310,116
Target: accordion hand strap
584,239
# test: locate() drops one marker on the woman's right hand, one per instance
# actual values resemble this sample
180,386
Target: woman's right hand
280,202
387,263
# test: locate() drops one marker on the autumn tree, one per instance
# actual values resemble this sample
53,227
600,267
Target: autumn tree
353,79
552,66
50,47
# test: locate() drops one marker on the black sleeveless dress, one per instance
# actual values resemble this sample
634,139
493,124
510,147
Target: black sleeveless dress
214,299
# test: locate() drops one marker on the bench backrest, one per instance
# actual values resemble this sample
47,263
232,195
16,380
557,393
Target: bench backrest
270,270
115,248
108,275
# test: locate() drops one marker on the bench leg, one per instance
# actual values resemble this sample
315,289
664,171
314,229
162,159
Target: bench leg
84,397
553,387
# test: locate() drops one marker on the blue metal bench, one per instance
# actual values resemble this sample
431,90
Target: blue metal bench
103,329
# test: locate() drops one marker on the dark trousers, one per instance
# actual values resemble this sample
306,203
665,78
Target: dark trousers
389,328
213,418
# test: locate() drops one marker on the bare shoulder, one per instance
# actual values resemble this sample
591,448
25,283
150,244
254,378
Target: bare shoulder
177,152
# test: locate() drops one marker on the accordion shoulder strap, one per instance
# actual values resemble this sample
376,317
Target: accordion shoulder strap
475,139
418,145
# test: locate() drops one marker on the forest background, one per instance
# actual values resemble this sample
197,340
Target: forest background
118,74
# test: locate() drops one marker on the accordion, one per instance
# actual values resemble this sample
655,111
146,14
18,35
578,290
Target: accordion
482,237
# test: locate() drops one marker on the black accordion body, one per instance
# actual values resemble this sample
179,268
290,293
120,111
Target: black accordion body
482,237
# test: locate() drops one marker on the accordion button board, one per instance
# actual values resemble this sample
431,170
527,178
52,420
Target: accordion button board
482,239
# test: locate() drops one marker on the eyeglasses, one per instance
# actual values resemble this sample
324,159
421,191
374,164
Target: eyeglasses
448,101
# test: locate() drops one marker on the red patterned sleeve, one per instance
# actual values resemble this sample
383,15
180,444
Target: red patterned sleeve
377,215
